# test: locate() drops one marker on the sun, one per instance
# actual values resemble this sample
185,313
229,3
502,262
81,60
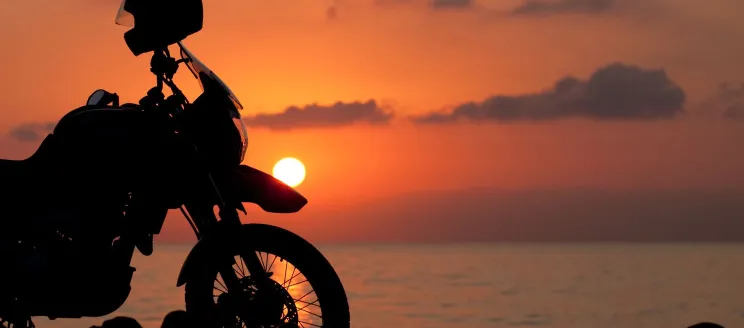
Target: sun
290,171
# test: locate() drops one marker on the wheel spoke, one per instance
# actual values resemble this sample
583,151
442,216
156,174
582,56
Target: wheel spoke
245,266
308,303
238,273
297,283
221,284
215,287
260,259
309,323
303,296
306,311
272,263
239,264
303,309
285,272
292,277
266,263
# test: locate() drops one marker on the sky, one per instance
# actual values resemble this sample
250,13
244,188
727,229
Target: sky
440,120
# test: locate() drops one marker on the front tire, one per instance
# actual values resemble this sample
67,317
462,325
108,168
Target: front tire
205,307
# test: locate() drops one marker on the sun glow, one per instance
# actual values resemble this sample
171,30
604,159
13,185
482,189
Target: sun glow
290,171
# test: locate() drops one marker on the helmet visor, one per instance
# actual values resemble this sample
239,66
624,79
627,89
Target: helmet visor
123,17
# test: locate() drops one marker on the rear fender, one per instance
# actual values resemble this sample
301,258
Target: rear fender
254,186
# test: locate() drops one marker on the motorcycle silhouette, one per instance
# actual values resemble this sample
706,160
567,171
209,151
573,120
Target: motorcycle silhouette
99,186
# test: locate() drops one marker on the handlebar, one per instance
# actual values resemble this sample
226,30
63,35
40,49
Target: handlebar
164,67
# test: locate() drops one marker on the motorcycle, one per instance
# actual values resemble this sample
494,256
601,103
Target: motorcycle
100,184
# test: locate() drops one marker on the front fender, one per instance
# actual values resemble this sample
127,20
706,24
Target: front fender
254,186
249,185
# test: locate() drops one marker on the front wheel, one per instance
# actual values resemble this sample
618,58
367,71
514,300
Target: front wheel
303,289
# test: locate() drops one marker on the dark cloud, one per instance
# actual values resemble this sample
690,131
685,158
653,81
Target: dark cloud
31,131
735,112
442,4
391,2
536,7
434,4
614,92
331,13
320,116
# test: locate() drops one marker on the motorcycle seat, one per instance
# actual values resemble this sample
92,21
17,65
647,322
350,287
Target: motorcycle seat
17,176
11,170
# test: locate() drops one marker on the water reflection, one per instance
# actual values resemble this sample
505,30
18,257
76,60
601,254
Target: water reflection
486,286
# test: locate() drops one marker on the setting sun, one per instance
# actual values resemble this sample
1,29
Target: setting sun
290,171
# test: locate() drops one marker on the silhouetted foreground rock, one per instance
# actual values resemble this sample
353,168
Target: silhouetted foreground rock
180,319
706,325
120,322
176,319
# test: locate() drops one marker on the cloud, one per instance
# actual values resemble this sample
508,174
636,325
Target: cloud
445,4
31,131
391,2
432,4
331,13
320,116
735,112
726,102
537,7
614,92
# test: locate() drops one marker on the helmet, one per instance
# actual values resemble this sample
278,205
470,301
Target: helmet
157,24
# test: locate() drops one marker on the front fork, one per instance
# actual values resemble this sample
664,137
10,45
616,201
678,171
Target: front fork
232,226
230,230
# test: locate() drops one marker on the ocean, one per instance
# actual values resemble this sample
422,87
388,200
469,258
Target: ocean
498,285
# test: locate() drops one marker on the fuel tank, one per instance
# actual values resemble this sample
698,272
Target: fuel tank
114,149
106,147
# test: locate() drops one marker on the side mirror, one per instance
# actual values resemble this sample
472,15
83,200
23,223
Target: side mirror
102,97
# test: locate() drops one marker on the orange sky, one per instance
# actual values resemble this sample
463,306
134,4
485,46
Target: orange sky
413,59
